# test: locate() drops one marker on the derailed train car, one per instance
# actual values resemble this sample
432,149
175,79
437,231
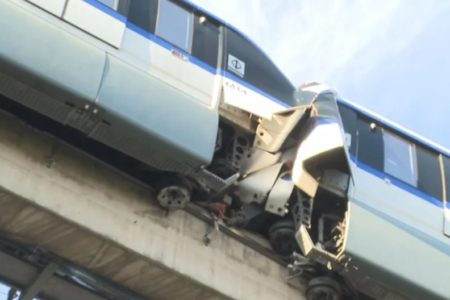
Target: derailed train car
382,224
203,108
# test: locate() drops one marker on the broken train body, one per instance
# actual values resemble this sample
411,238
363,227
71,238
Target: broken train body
213,120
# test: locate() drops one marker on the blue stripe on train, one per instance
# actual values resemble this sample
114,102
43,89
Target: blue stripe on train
253,88
201,64
398,183
106,9
389,124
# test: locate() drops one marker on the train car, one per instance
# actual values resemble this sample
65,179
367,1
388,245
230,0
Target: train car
161,81
398,232
382,224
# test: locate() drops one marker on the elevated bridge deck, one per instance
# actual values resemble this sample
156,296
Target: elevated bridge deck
58,199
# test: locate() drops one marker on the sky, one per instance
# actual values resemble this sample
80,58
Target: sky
4,289
389,56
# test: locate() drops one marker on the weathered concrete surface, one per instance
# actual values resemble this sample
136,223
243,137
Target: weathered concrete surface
99,219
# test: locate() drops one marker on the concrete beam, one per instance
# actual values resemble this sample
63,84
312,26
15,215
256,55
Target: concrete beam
106,222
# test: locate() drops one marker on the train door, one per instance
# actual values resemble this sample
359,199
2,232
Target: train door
101,18
446,162
186,51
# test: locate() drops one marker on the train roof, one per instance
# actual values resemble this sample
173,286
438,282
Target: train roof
400,129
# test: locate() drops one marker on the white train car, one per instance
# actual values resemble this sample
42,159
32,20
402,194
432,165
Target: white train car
153,79
382,224
398,235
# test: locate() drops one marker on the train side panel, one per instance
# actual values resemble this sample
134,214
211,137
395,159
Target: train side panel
154,123
389,260
43,66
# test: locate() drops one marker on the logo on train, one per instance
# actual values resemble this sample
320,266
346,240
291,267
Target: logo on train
236,65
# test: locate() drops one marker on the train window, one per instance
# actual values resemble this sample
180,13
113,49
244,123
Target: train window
174,25
447,177
141,13
110,3
205,45
121,6
399,158
349,121
248,62
429,172
370,144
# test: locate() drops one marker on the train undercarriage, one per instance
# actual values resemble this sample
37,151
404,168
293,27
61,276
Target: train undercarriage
286,179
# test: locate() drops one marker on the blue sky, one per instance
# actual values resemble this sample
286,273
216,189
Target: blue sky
390,56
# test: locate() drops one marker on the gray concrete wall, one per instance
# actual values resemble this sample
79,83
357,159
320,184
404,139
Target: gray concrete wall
88,213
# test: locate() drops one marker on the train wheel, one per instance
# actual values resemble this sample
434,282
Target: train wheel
173,194
282,238
323,288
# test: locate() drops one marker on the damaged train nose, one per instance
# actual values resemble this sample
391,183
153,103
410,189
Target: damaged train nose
321,172
323,140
